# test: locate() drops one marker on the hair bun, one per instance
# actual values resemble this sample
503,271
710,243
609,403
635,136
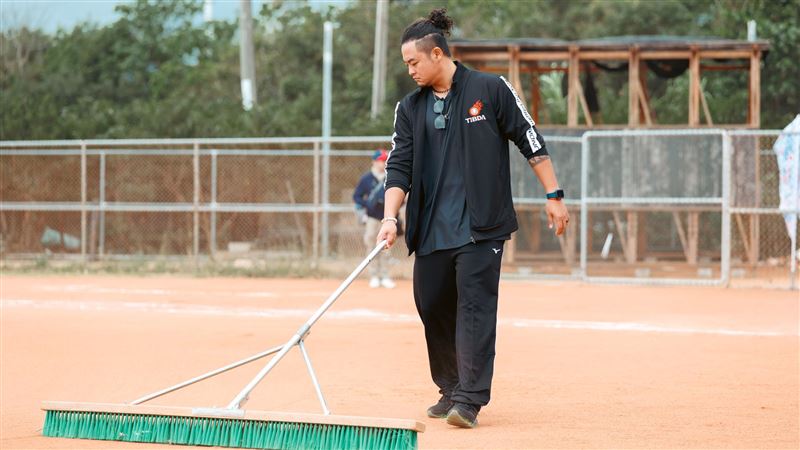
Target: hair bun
439,19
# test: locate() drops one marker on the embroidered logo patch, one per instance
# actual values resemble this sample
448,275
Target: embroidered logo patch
475,112
476,108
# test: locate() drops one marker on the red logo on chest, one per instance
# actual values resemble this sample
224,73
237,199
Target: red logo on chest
476,108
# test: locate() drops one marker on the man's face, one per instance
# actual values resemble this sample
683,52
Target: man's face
423,66
379,165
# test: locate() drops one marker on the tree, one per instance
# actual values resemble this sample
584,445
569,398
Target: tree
158,71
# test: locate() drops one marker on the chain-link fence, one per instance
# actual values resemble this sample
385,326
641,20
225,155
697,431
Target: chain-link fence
762,249
652,206
251,201
535,249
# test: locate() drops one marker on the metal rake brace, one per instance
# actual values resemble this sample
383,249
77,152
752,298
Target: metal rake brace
234,408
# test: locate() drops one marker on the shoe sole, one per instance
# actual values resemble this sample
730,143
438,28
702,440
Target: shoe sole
437,416
454,418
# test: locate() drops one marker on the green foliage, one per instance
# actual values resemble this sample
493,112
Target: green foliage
158,71
779,22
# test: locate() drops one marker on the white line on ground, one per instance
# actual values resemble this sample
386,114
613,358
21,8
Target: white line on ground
633,326
362,314
94,289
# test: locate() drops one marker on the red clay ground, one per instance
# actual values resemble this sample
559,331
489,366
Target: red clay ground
577,366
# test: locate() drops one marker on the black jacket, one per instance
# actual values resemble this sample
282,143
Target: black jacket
486,113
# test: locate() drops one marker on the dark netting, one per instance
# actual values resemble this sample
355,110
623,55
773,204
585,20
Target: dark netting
668,68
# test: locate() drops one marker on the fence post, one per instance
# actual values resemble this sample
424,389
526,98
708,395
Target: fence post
725,257
212,245
101,247
315,231
326,201
83,204
793,241
584,205
196,202
793,263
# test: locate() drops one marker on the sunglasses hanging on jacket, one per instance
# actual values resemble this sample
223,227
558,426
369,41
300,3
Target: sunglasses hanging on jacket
441,120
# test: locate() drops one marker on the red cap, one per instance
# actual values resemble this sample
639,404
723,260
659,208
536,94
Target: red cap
380,155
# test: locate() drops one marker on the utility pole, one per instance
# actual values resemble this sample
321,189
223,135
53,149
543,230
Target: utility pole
208,11
327,99
379,57
247,67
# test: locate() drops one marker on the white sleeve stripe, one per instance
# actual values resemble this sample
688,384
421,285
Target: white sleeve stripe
531,133
394,135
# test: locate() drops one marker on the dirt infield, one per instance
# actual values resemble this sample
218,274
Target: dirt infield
577,366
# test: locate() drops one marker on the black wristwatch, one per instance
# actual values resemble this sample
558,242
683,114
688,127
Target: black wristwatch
558,194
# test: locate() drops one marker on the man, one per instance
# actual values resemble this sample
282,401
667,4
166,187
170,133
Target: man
368,197
450,154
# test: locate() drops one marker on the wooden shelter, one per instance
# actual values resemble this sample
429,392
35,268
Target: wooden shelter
662,56
666,55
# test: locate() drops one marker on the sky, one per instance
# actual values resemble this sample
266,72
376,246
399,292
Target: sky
50,15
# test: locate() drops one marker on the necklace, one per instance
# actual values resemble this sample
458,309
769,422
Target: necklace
441,92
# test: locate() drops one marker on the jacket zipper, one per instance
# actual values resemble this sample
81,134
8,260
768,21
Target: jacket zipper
461,162
448,131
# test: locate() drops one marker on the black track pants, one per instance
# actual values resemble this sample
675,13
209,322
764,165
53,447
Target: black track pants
456,296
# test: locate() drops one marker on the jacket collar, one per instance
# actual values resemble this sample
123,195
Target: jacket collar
458,76
461,70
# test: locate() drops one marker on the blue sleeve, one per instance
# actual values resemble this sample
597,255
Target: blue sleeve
361,192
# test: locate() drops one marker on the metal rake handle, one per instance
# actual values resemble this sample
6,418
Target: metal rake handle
241,399
280,349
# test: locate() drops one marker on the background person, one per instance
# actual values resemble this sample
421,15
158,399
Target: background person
368,197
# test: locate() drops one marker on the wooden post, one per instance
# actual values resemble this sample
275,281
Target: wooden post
567,242
629,235
694,88
513,71
536,232
511,57
633,91
745,237
572,90
754,108
676,217
633,237
706,111
755,231
645,114
690,237
644,105
641,234
535,92
693,231
587,115
622,232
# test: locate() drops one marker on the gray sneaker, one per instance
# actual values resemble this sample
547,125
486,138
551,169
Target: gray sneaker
441,408
463,415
